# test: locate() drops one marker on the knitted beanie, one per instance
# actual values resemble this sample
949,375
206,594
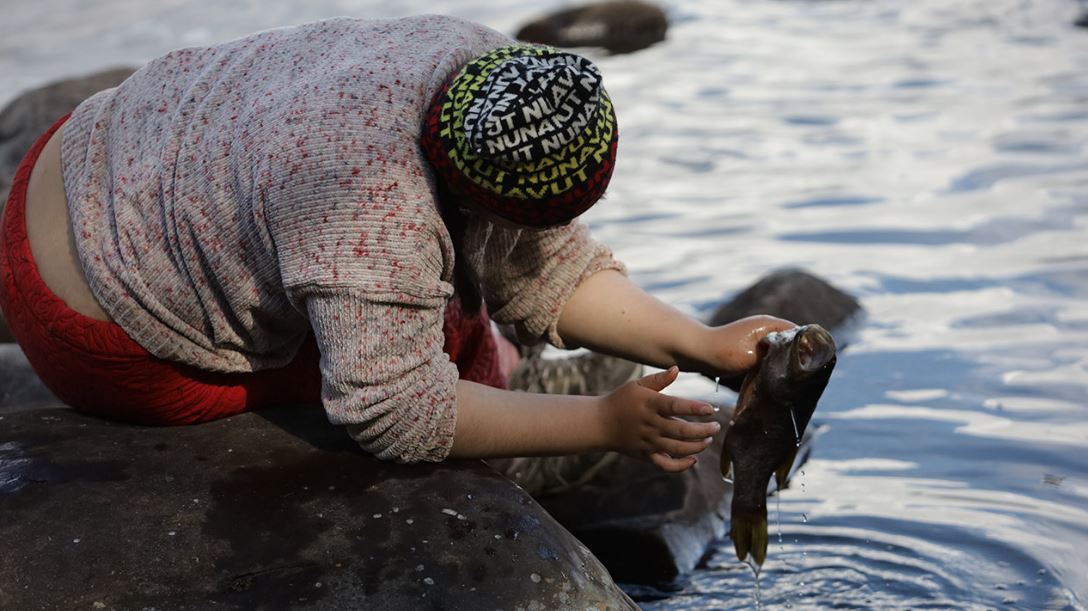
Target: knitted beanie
526,132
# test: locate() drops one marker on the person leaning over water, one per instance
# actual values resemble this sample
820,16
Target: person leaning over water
284,219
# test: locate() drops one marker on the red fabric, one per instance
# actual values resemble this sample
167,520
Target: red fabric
95,367
470,343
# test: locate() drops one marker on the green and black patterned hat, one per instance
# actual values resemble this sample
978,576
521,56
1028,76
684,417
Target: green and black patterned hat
527,132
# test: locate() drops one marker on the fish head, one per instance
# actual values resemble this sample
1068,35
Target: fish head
795,367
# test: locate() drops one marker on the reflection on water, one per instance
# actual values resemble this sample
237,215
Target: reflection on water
929,156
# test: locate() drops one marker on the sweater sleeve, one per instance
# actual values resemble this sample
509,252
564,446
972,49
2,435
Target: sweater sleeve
362,252
384,374
529,275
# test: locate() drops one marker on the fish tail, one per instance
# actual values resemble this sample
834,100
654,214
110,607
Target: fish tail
749,533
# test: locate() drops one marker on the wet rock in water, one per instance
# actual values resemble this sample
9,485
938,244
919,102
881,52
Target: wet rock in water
270,510
29,115
795,295
648,526
621,26
20,388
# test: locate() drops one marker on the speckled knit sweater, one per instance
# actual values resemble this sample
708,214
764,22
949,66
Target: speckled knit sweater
228,200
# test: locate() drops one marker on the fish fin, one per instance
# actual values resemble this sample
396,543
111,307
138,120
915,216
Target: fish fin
782,474
747,390
726,463
749,535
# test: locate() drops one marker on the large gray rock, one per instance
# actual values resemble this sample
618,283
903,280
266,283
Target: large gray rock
276,510
29,115
619,26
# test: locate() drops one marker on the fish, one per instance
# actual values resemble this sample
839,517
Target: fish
776,402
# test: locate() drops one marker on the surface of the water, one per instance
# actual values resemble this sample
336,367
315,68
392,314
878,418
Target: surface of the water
930,156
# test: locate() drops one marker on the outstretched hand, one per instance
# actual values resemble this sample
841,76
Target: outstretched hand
643,423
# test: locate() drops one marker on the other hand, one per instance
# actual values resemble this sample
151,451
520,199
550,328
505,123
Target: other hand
641,422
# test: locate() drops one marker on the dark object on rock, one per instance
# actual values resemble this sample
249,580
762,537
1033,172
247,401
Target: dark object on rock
621,26
647,526
20,388
776,402
793,294
1082,21
588,373
273,510
30,114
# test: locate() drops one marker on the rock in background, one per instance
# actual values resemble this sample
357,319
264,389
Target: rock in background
29,115
22,121
621,26
795,295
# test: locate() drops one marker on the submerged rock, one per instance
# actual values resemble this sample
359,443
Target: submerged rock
620,26
29,115
270,510
795,295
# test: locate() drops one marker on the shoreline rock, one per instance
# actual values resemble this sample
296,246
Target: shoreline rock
32,112
269,510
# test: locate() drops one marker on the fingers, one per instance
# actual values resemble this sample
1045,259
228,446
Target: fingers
675,406
658,381
681,449
670,464
682,430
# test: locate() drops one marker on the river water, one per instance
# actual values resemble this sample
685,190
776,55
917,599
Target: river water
930,157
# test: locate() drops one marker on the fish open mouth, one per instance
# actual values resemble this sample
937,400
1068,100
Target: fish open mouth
814,347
